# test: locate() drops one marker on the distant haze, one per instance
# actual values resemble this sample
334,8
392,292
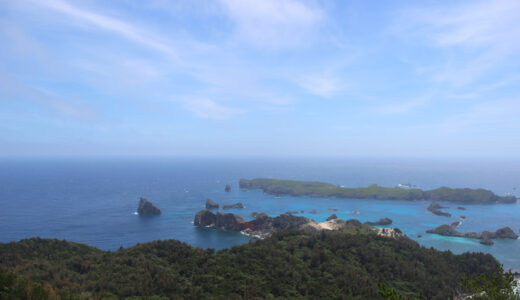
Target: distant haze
270,77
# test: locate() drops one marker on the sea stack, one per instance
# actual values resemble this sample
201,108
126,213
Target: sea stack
227,188
147,208
211,204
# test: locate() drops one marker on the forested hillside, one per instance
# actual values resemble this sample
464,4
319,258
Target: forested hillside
332,265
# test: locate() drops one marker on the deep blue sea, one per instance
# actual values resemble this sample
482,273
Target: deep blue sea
93,201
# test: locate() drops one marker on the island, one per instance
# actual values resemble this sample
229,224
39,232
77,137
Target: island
435,208
147,208
263,226
486,237
321,189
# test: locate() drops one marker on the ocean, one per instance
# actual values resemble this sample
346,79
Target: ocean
94,200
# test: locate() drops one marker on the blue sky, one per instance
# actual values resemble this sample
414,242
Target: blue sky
270,77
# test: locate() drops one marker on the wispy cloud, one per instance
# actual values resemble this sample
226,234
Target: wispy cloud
323,85
478,37
12,89
117,26
209,109
485,119
272,23
403,107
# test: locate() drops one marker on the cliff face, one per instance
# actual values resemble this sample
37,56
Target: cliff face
206,218
147,208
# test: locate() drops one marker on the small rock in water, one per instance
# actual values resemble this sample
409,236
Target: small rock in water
147,208
236,205
227,188
211,204
487,242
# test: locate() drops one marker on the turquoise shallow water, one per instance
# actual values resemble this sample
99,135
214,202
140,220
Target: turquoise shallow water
93,201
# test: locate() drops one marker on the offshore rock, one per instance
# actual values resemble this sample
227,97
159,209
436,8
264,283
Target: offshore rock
236,205
485,236
487,242
381,222
205,218
227,188
147,208
210,204
435,209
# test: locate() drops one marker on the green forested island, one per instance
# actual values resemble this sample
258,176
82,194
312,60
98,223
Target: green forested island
321,189
289,264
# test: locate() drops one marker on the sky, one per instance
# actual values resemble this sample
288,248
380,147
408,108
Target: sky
270,77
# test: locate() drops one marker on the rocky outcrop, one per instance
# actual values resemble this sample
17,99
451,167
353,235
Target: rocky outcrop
435,208
210,204
206,218
484,236
506,233
394,233
381,222
456,224
147,208
229,221
461,208
487,242
332,217
227,188
236,205
332,209
263,226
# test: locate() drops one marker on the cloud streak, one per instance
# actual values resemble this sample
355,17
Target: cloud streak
114,25
209,109
272,23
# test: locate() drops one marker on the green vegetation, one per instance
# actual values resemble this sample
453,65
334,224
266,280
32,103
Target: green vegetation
290,264
321,189
492,286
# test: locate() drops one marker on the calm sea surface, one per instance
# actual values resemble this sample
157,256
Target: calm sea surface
93,201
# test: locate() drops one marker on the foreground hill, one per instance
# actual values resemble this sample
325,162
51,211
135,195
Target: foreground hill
321,189
332,265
